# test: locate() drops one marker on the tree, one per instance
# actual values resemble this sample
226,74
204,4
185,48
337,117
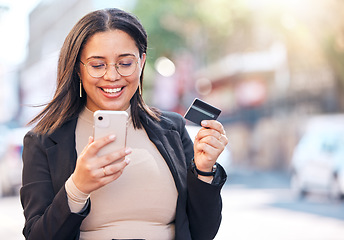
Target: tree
200,26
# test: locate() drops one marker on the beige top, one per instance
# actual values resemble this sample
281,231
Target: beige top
141,203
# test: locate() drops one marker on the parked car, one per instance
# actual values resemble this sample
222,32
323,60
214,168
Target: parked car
318,159
225,157
11,161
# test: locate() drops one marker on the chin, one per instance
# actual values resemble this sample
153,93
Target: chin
116,108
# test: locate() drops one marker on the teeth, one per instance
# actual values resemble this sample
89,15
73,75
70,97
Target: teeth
112,90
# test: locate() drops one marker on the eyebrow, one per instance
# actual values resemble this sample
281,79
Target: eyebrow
119,56
127,54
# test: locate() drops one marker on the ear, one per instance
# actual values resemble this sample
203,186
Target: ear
143,60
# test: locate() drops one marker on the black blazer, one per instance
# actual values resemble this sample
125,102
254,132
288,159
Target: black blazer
49,160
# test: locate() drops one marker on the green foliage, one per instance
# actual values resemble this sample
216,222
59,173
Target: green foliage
201,26
162,39
212,29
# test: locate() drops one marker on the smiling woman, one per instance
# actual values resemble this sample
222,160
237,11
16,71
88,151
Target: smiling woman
161,193
93,43
112,72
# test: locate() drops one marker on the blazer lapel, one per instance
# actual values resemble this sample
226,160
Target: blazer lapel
168,142
62,154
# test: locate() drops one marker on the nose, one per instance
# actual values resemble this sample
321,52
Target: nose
111,73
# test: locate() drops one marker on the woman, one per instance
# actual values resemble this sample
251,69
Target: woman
154,188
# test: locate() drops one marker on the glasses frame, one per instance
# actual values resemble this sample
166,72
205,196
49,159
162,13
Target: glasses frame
106,68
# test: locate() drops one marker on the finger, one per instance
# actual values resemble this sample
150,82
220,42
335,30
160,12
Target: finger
114,157
96,145
209,152
218,131
110,178
211,141
90,140
224,140
204,132
213,124
115,167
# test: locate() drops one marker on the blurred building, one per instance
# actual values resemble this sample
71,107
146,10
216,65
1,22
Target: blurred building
245,80
264,92
49,23
9,93
264,101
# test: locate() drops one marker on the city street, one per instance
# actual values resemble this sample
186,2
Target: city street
11,218
271,72
256,206
261,207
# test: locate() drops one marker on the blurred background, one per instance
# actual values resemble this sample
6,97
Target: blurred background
274,67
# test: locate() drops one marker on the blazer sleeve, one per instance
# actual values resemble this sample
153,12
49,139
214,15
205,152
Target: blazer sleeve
204,203
47,214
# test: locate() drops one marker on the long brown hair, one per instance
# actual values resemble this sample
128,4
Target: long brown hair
66,103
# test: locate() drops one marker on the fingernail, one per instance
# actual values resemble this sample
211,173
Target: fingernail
204,123
112,137
128,150
127,160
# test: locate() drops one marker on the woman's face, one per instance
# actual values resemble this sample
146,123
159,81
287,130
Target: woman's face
111,91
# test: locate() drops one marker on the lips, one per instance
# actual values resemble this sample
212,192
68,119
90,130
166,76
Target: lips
112,90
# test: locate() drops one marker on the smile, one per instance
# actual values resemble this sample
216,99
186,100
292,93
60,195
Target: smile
111,90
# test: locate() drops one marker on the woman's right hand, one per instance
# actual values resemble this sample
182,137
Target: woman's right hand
93,172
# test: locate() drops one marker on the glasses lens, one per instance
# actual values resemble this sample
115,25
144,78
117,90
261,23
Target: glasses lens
126,66
96,68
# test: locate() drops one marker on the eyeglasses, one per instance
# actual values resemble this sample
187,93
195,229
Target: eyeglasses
124,66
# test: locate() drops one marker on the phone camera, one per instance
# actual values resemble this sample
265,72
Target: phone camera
100,118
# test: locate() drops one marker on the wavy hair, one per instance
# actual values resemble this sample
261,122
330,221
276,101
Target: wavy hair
66,103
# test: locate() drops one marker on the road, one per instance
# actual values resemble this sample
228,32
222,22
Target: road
261,207
255,206
11,219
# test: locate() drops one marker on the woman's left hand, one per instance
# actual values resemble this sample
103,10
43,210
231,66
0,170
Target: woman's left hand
209,143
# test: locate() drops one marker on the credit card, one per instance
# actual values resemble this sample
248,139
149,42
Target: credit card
200,110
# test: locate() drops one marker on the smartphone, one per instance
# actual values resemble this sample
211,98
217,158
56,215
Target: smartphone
107,123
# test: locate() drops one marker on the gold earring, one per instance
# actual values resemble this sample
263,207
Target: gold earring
80,94
140,90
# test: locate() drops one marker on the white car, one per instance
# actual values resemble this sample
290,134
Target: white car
318,159
225,157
